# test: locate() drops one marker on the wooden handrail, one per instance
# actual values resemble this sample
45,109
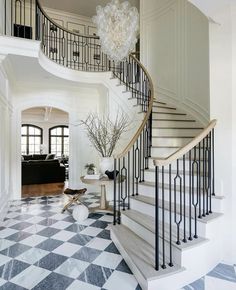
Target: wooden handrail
182,151
147,115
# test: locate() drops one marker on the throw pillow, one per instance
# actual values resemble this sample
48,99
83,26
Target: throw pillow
50,156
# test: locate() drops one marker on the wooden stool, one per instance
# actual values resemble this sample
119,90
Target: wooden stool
74,197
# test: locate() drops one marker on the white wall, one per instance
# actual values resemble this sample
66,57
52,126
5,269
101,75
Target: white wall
5,141
77,103
174,48
233,229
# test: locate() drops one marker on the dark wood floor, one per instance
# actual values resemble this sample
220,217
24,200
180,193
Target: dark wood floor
43,189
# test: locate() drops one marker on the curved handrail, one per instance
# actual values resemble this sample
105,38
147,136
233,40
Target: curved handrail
131,72
61,27
182,151
147,115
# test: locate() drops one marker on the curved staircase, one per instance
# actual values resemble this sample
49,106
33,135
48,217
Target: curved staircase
166,212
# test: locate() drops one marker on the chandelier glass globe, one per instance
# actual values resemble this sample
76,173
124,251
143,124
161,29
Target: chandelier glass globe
117,26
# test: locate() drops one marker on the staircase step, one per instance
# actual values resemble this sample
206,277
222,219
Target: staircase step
144,226
171,141
175,131
151,201
139,256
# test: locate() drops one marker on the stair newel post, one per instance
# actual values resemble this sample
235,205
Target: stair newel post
115,191
163,218
157,183
170,216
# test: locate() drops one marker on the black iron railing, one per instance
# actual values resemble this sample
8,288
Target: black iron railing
186,182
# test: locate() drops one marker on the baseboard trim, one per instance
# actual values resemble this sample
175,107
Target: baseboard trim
4,205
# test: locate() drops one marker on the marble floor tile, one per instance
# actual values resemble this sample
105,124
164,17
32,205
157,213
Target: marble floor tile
99,244
33,240
5,244
63,236
54,281
61,225
12,268
49,245
51,261
119,278
108,260
32,256
91,231
76,285
72,268
30,277
67,249
87,254
95,275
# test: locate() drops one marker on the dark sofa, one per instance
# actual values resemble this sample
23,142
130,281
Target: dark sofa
39,170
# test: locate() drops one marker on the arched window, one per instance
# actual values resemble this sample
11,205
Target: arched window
59,140
31,139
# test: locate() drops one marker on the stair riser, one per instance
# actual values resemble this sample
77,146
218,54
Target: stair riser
149,237
165,110
175,132
149,209
174,124
163,152
150,176
173,164
173,116
150,192
170,141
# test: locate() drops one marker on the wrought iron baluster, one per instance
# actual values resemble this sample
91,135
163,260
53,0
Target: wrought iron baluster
170,218
157,232
184,205
178,215
163,218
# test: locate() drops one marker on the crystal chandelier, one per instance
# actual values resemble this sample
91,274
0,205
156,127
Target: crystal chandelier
117,26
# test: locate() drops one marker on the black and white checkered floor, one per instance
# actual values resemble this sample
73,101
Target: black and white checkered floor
40,248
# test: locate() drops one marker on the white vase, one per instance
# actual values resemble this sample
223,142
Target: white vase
106,163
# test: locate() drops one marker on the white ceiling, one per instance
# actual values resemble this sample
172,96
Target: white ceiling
28,71
80,7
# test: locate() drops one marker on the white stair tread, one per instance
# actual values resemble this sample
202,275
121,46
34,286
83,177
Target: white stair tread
151,201
166,186
140,253
148,222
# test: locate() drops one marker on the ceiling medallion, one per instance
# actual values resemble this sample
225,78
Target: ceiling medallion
117,26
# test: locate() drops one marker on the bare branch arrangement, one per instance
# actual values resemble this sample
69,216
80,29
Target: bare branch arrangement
103,133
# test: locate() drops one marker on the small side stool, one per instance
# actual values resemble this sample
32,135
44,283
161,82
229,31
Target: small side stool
74,196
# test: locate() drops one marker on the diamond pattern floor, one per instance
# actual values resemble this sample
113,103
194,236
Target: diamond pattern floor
40,248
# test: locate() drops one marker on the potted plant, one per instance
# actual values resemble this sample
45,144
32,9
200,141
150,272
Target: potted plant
90,168
104,134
